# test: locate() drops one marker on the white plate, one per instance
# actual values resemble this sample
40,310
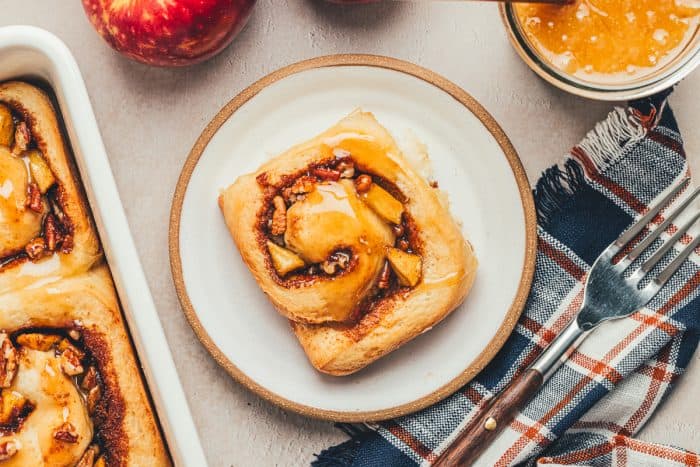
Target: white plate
473,162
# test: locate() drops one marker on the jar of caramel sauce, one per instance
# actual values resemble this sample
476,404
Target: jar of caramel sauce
608,42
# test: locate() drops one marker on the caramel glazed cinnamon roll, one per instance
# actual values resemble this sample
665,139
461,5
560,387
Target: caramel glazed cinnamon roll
350,243
71,392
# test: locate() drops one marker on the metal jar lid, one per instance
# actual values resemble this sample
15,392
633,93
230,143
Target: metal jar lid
665,76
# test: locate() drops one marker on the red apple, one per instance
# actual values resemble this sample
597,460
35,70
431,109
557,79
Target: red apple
168,32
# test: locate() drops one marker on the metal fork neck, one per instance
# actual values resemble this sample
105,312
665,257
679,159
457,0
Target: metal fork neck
560,349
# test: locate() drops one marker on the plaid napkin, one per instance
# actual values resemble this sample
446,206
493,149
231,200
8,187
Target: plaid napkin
588,413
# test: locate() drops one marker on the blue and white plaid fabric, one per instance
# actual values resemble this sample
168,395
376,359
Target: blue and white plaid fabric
588,413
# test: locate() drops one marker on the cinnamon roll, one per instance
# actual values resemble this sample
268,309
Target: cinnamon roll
350,243
71,392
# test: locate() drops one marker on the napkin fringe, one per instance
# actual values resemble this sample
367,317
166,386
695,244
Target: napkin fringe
606,143
604,146
345,453
558,184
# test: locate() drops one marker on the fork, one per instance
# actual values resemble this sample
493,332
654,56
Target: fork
610,292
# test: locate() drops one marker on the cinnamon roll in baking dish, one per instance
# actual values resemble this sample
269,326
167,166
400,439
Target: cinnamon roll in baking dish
350,243
71,392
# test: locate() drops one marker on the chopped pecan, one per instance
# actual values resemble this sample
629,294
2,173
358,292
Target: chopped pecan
34,198
384,276
363,183
35,248
8,448
22,138
66,433
51,233
67,244
70,358
337,261
38,341
74,334
89,381
279,216
88,459
346,168
397,229
65,344
93,398
299,188
8,361
326,174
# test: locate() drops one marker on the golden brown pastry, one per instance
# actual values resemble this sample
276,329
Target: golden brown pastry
45,226
350,243
71,392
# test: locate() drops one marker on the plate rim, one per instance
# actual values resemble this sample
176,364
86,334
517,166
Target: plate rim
462,97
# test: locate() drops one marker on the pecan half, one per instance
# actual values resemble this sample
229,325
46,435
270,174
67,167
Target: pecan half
279,216
8,448
70,358
326,174
66,433
8,361
93,398
89,381
34,198
299,188
337,261
22,138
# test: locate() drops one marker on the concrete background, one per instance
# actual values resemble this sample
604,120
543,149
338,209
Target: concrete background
150,118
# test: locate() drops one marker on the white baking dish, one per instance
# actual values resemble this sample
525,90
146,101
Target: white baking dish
29,52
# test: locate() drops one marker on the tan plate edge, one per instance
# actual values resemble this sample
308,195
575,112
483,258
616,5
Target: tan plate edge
525,194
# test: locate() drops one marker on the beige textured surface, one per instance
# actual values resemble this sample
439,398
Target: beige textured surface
151,117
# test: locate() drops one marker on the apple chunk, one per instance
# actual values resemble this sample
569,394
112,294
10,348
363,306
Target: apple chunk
385,205
7,126
41,173
407,266
284,260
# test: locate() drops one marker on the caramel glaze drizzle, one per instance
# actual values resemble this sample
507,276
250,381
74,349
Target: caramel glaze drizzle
406,233
57,229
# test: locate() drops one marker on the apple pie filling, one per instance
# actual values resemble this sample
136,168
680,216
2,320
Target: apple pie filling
334,218
53,401
32,219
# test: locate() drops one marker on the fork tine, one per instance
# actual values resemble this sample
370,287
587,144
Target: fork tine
644,244
637,227
671,269
656,257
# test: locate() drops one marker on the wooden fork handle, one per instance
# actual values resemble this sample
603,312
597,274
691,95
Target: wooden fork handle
481,431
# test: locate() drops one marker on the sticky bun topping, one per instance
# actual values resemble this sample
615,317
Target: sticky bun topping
51,399
325,220
33,223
